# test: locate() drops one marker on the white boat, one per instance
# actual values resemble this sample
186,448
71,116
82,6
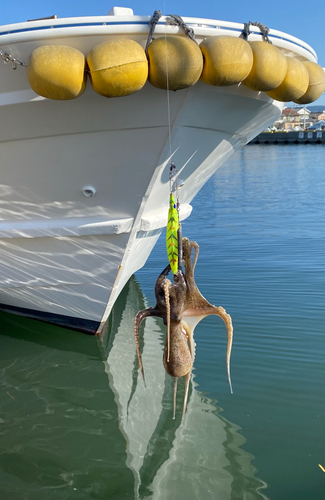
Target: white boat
85,183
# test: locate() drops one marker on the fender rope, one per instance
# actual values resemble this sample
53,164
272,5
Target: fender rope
152,23
263,29
178,21
172,20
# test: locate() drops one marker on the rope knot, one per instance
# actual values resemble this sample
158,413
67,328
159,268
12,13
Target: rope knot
172,20
175,20
152,23
262,27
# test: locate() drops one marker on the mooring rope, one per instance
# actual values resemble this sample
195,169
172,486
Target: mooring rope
175,20
171,20
263,29
153,23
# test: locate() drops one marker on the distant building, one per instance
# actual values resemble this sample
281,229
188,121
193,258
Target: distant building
299,118
305,117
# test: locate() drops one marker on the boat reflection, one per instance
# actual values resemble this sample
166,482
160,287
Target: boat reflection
201,457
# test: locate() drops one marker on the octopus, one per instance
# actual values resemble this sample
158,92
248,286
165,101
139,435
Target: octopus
182,307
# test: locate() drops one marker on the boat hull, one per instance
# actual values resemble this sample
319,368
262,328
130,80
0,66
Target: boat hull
85,183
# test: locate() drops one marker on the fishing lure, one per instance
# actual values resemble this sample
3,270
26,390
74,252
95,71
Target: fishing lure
172,234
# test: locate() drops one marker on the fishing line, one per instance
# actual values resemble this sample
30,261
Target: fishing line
167,85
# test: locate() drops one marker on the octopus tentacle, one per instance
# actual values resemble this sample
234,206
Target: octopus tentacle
220,311
174,398
188,246
150,311
167,285
194,315
187,383
195,246
159,291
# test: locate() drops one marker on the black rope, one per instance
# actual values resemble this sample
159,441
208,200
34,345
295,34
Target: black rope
172,20
245,32
263,29
153,23
175,20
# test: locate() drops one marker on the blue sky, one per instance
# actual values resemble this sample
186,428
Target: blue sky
302,19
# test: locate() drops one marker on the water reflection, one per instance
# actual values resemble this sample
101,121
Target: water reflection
58,418
77,422
199,458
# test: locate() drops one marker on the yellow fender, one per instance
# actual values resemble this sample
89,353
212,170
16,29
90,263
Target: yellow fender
117,68
57,72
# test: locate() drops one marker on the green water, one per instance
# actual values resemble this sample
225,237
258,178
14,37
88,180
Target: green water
75,418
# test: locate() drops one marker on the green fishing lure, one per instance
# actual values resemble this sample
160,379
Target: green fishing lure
171,237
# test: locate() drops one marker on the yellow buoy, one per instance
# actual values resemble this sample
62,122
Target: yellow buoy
57,72
294,84
175,62
269,67
117,68
227,60
316,83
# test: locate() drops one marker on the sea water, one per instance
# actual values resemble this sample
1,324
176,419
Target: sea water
75,418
